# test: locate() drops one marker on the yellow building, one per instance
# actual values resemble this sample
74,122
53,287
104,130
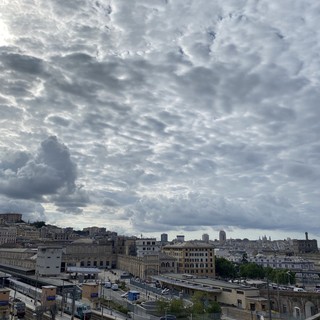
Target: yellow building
193,257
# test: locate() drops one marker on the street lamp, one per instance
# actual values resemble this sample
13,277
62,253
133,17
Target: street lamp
289,275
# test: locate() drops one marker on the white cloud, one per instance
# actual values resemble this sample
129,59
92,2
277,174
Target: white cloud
181,114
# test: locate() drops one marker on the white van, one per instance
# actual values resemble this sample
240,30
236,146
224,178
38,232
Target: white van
299,290
115,287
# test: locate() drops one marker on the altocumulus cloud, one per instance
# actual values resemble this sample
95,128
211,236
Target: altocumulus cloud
176,115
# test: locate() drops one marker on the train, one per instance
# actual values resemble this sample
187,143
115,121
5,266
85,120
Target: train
81,310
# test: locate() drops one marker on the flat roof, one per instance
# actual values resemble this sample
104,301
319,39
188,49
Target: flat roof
83,270
203,284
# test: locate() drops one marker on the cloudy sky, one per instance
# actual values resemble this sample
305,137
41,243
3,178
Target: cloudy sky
152,116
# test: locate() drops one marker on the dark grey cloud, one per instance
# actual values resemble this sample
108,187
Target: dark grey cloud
171,115
48,175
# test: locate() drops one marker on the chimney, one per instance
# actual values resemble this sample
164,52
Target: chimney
306,236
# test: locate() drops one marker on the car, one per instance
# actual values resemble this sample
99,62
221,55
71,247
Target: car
165,291
114,287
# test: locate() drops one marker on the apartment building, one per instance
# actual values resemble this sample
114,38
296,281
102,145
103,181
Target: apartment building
147,246
8,235
193,257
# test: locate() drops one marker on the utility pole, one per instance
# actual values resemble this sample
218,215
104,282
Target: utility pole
269,301
36,289
73,302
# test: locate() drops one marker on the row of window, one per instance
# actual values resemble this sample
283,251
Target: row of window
197,254
206,271
94,263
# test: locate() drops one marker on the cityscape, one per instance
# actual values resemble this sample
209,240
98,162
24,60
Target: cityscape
159,160
36,253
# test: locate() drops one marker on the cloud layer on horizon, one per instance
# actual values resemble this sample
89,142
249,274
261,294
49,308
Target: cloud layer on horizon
161,115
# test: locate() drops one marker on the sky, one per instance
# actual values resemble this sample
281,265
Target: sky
162,116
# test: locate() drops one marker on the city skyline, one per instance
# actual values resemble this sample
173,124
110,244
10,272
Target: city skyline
183,117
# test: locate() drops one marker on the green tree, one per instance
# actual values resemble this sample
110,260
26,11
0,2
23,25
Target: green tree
177,307
38,224
252,270
162,306
213,307
225,268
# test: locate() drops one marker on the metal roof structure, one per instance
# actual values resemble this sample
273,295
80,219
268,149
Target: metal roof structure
83,270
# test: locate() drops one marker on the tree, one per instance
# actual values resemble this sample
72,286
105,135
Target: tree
225,268
203,305
252,270
214,307
38,224
162,306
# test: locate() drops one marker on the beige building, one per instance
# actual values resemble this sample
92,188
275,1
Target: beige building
19,258
147,266
226,293
87,253
193,257
8,235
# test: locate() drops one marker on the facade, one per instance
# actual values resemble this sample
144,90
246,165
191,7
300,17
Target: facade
180,238
226,293
18,258
147,246
305,246
54,233
222,237
49,261
147,266
205,238
283,262
164,238
88,254
8,235
11,217
193,257
95,231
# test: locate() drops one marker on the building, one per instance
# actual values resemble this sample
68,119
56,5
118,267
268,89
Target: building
222,237
87,253
49,261
226,293
164,238
147,246
305,246
205,238
11,217
180,238
147,266
193,257
8,235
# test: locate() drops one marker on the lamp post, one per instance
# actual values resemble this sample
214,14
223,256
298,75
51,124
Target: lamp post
289,275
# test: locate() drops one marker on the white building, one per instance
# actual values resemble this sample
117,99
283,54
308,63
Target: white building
147,246
49,261
282,262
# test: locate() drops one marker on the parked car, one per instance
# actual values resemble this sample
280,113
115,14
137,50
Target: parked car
107,285
165,291
115,287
